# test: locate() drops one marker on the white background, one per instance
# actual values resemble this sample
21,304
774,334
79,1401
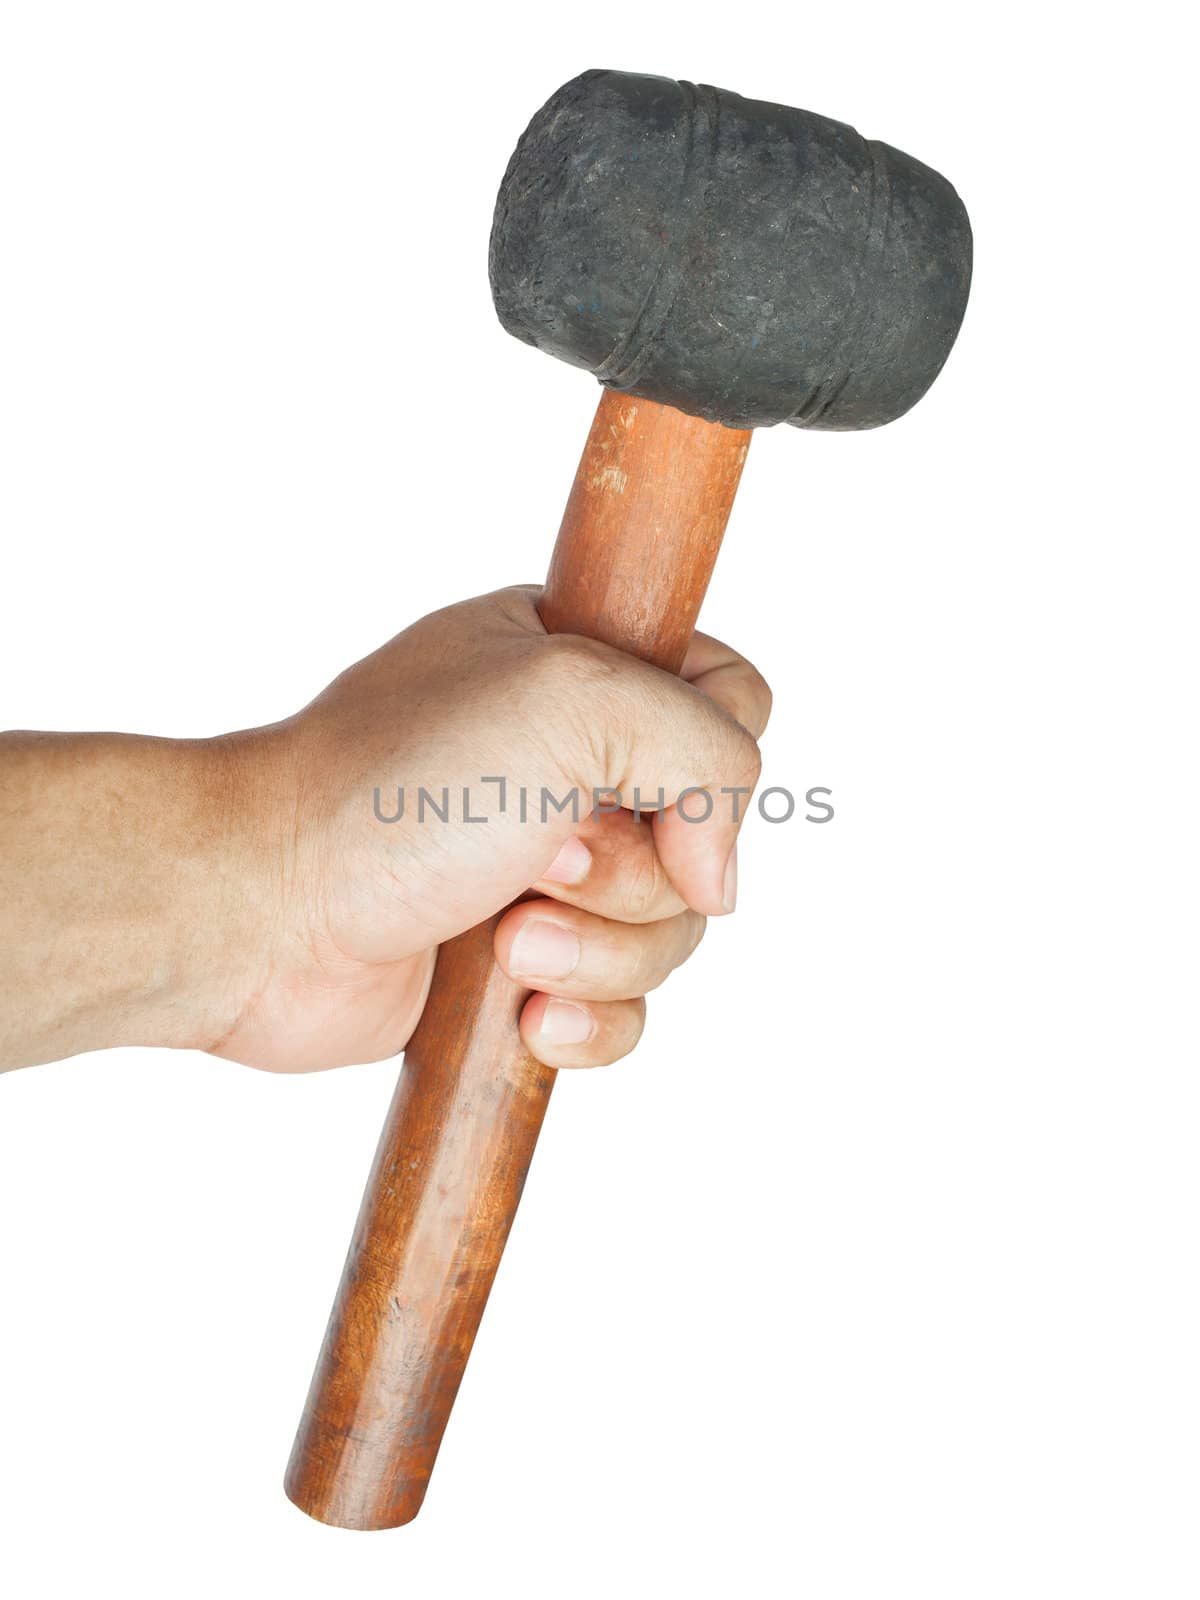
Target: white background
873,1273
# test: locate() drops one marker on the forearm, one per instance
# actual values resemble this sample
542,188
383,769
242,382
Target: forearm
130,882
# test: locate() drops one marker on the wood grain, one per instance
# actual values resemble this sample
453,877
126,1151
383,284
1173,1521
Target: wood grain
637,545
642,527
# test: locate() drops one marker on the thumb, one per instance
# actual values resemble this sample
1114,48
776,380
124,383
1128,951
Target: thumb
696,840
671,749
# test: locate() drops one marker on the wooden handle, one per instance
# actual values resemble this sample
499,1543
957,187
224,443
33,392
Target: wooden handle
633,559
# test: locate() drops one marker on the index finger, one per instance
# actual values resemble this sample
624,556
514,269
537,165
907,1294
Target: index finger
734,683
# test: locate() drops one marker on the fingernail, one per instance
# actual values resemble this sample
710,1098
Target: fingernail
570,865
544,950
564,1023
729,887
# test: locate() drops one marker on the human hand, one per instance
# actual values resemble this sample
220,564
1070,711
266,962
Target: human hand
340,971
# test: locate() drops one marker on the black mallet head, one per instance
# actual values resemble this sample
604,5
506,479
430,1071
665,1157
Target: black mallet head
745,262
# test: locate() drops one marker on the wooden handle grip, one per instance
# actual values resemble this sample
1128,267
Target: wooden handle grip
637,545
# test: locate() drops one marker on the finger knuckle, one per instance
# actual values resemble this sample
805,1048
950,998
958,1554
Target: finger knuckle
633,1023
766,700
735,754
643,887
689,931
751,757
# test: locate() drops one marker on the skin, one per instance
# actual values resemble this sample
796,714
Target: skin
239,895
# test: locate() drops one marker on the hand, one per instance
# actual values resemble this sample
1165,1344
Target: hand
480,691
243,894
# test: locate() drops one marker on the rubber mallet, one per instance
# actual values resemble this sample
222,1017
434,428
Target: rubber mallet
719,264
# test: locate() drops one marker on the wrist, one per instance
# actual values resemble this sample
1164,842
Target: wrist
235,849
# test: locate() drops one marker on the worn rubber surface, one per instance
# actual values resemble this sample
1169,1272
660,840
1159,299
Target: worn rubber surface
746,262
